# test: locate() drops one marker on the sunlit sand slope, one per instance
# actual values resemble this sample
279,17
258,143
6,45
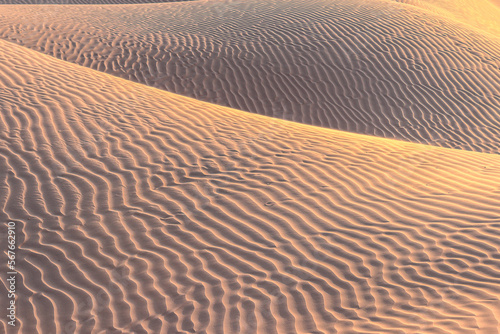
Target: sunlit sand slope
480,14
374,67
140,211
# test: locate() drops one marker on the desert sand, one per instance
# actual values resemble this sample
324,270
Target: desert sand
374,67
153,192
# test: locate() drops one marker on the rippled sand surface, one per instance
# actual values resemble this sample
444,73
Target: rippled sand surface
153,192
377,67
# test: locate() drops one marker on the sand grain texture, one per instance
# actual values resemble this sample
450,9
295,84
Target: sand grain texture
142,211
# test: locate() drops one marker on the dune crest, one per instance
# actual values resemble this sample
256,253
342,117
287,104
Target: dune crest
478,14
373,67
147,212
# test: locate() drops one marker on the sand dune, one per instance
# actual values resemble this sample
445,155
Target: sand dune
147,212
82,2
374,67
477,14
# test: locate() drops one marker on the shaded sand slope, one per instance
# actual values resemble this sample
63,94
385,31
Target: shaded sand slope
144,211
481,14
374,67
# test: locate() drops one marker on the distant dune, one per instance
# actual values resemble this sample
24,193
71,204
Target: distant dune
82,2
141,211
374,67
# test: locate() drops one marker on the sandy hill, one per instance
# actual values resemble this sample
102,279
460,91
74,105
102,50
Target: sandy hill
478,14
82,2
374,67
143,211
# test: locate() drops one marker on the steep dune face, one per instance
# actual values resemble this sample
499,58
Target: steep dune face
373,67
143,211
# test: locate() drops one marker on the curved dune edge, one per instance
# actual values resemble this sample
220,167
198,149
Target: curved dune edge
143,211
372,67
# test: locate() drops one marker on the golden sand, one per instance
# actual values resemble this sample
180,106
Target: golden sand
140,210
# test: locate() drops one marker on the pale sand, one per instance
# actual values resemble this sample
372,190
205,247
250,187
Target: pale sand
477,14
141,211
374,67
83,2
